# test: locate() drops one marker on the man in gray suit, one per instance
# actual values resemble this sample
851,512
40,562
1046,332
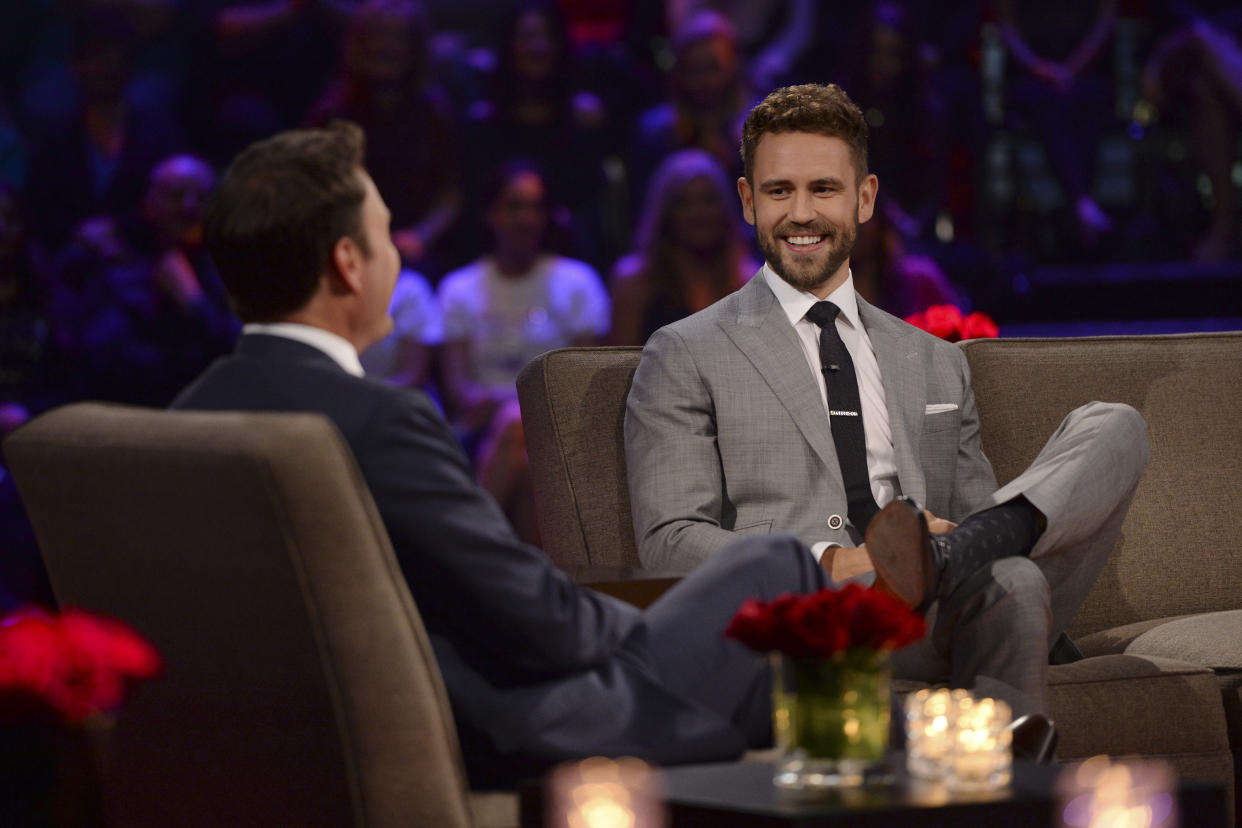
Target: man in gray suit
737,424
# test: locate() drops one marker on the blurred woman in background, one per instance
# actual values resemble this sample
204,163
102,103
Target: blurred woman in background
688,249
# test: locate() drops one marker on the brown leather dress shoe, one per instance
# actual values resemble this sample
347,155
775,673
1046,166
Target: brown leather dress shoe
907,563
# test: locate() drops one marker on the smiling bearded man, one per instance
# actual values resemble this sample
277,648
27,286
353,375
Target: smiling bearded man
795,406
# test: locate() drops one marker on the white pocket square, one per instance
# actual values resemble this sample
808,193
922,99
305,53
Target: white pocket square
940,408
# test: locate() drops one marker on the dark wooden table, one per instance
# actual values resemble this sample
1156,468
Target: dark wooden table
741,794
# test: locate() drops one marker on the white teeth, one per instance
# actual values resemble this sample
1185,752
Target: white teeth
804,240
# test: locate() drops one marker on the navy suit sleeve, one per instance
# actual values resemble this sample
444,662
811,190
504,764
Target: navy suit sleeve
473,580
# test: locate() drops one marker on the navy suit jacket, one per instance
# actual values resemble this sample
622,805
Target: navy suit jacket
537,670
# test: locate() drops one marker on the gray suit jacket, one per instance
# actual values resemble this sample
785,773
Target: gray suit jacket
726,433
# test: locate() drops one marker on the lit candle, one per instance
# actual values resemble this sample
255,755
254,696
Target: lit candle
605,793
1102,794
929,714
980,749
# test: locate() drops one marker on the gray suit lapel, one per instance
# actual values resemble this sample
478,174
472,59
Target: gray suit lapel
761,331
899,355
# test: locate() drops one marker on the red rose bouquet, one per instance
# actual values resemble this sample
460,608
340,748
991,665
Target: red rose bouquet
828,624
68,667
947,322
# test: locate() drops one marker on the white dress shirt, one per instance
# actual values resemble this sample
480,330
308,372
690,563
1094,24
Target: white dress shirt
881,460
342,353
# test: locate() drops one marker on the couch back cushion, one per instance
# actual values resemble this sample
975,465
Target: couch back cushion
573,412
1179,550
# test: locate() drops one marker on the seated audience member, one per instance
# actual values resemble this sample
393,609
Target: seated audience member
688,249
909,136
97,161
1195,75
794,405
535,109
259,65
537,670
706,99
403,358
141,308
413,143
772,35
890,276
502,311
1053,46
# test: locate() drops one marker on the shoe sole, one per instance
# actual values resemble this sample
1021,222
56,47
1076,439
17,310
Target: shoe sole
897,545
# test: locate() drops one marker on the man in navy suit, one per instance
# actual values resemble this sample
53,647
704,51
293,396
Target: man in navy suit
537,670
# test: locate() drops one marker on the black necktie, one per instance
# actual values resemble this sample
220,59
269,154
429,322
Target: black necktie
844,414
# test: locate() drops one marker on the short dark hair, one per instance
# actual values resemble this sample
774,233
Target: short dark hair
280,209
809,107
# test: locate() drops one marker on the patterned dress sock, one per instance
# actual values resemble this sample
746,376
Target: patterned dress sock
1003,531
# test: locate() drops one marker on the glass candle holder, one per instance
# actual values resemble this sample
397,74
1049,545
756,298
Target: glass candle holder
981,747
605,793
928,718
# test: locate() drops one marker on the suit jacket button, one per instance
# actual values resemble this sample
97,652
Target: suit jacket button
835,522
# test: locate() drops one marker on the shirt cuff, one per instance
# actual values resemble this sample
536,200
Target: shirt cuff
818,549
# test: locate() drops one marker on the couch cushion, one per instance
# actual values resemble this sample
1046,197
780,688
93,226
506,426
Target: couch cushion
1117,639
1211,639
1123,704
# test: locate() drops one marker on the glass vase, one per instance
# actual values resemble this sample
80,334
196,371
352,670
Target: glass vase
830,718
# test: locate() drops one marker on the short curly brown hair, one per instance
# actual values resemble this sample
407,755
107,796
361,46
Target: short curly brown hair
809,107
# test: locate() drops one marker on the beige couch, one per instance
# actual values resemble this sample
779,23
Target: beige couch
1162,628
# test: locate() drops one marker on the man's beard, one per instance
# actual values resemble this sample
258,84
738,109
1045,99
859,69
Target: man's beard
840,239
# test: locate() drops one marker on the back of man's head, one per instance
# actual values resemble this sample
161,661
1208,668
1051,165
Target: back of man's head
810,107
279,210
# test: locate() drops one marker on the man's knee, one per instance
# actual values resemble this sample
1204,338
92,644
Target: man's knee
777,557
1125,429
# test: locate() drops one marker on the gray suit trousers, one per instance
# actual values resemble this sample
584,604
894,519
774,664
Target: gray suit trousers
994,632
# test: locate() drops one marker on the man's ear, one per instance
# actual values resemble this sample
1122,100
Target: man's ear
347,266
747,195
866,197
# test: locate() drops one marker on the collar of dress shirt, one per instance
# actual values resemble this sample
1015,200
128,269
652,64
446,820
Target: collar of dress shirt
796,302
338,348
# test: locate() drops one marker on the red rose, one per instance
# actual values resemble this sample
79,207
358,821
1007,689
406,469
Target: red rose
944,321
918,320
826,623
979,326
76,664
821,626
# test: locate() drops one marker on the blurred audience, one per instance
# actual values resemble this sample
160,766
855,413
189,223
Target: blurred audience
689,250
500,312
535,110
29,383
261,64
412,142
909,141
138,306
404,357
30,366
707,100
1054,45
1194,76
772,35
94,160
890,276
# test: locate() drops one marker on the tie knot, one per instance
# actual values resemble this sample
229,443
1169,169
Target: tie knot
823,313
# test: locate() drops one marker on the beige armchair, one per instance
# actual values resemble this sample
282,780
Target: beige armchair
299,686
1163,626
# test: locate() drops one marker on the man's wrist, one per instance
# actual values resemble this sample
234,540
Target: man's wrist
818,549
